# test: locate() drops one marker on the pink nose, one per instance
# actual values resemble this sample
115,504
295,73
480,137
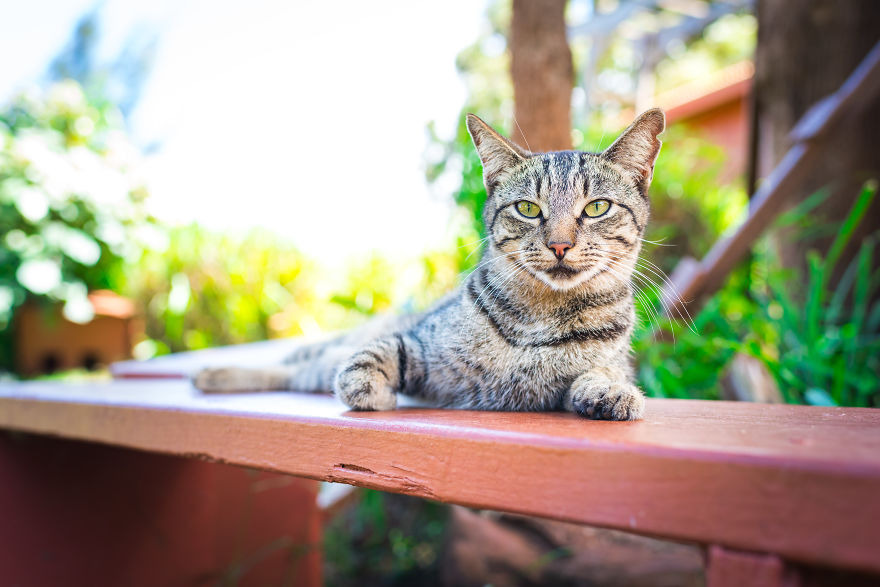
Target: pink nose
559,248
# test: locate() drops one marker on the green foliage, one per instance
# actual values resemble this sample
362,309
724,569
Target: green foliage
818,335
204,289
680,362
828,340
729,40
71,206
691,207
386,540
461,159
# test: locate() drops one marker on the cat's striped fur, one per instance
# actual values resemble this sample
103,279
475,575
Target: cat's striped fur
528,329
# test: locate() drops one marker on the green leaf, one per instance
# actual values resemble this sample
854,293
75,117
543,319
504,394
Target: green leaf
803,209
852,221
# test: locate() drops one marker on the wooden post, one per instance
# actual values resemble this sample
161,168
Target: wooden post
732,568
792,73
543,75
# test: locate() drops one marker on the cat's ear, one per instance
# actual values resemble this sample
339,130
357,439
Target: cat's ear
636,149
497,153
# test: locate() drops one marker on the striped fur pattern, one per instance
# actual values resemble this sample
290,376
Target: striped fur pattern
528,329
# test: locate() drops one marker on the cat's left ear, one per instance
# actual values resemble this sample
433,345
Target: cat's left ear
498,154
637,148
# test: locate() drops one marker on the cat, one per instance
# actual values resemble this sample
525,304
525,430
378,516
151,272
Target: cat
544,321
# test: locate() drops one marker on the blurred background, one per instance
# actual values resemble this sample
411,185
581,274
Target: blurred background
183,175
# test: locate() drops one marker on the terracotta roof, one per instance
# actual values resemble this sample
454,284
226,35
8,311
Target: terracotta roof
723,86
107,303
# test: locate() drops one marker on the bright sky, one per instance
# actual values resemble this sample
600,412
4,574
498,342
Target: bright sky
305,118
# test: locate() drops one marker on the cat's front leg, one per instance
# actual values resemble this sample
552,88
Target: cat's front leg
603,396
371,378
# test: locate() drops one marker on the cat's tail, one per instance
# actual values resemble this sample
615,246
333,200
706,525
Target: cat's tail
242,380
312,376
311,369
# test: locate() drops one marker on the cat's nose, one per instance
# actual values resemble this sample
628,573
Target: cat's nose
559,248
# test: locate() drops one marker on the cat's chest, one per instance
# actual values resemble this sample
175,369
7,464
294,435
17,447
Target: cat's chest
547,349
544,362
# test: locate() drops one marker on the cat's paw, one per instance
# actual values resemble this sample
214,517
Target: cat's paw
362,384
608,400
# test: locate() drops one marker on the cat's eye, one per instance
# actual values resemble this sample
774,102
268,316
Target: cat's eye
528,209
596,208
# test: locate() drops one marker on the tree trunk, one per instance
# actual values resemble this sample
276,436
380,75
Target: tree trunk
543,75
806,49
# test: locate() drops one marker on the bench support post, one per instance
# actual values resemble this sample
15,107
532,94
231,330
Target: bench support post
77,513
733,568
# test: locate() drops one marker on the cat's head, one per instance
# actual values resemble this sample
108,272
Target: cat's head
569,218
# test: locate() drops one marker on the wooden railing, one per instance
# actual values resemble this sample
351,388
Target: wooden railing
776,490
692,281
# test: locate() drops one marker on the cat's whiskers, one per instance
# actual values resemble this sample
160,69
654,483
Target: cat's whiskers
658,243
652,317
477,244
599,144
507,274
494,285
644,283
503,280
648,283
492,259
669,292
626,274
525,140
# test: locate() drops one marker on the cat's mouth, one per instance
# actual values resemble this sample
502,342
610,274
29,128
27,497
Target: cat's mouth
562,272
561,276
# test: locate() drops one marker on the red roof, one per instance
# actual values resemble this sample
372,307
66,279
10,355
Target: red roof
722,87
107,303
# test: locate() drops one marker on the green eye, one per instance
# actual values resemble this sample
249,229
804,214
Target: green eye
597,208
528,209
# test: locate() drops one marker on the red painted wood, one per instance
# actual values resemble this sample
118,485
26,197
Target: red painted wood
727,568
723,96
800,482
82,514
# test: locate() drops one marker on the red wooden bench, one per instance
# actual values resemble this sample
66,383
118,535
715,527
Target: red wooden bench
776,493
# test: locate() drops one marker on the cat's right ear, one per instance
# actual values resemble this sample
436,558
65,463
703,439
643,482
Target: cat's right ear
498,154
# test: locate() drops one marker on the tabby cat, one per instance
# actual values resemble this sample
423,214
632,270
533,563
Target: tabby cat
543,322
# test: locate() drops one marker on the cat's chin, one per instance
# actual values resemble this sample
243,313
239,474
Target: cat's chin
563,278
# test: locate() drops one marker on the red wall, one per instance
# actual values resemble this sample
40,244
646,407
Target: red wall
727,126
722,117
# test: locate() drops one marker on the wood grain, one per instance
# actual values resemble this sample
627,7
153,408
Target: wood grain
800,482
